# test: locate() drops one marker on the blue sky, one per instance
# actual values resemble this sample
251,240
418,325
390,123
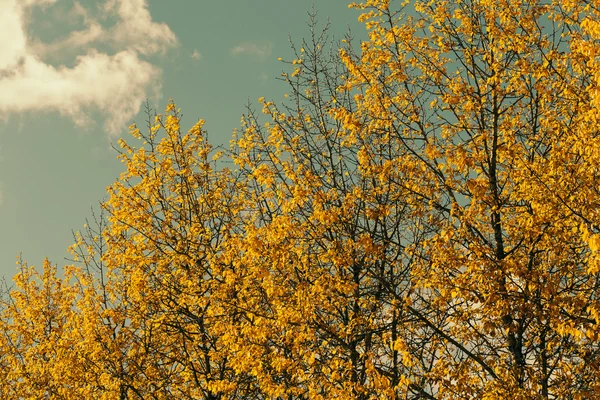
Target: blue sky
75,74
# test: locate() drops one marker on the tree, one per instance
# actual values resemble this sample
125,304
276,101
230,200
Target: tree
39,336
171,215
419,219
493,104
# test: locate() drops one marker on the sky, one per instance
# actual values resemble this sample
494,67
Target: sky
75,74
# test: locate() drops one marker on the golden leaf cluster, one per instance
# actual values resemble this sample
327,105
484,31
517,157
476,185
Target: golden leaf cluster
418,220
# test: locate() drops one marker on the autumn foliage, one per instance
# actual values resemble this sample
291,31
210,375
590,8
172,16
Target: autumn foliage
419,219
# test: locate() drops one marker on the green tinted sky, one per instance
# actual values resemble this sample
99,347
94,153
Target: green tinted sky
72,76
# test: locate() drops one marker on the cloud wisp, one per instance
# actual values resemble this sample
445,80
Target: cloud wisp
196,55
114,83
252,49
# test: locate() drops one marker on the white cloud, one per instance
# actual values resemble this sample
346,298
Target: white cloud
73,43
12,45
114,83
29,3
196,55
258,50
136,28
